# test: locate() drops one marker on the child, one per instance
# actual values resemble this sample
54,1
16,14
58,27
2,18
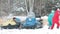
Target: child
50,18
55,19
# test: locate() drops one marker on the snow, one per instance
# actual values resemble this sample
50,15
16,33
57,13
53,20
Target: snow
43,30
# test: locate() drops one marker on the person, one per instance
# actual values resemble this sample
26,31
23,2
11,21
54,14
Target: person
30,20
55,19
17,20
30,23
50,16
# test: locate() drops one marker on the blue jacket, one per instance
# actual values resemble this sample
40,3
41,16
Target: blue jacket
50,17
17,20
30,22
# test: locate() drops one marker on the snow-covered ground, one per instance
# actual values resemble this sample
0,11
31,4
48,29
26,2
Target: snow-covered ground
43,30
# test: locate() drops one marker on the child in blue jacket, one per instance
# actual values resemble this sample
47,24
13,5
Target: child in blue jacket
50,18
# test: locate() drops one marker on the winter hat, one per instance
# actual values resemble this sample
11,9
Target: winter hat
52,11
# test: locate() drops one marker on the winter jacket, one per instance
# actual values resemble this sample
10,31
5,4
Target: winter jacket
50,17
30,22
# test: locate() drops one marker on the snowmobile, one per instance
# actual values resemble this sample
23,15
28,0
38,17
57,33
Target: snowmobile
40,24
10,24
